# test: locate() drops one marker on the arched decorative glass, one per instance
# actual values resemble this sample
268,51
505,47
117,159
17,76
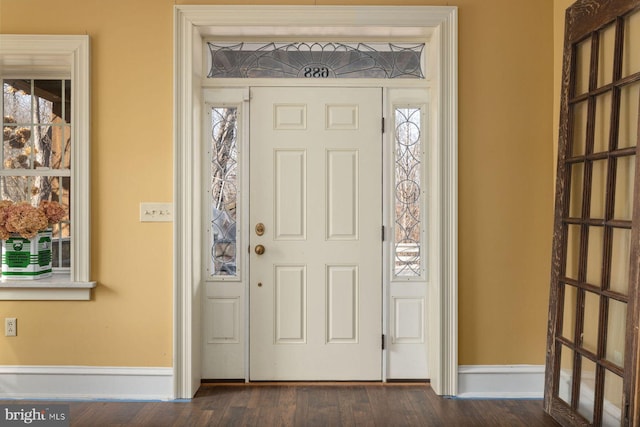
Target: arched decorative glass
316,60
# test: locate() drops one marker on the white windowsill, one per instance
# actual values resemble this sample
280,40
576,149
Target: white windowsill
58,287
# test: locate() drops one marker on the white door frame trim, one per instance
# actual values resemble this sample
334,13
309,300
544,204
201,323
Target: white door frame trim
191,25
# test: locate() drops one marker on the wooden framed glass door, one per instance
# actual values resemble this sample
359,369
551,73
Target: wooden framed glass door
592,374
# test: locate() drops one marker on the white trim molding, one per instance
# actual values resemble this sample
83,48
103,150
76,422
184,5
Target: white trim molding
501,381
50,289
86,382
193,25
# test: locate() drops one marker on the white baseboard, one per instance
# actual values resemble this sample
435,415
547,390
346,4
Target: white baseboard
86,382
134,383
501,381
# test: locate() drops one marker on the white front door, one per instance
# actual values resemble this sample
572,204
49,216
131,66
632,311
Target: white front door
316,291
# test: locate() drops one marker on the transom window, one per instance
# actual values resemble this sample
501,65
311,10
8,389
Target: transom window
315,60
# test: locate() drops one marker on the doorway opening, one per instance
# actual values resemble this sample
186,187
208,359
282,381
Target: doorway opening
436,25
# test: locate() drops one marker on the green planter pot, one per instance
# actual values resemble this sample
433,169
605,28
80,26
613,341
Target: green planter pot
27,259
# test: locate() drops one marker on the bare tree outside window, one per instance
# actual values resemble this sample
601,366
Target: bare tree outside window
408,190
224,190
37,148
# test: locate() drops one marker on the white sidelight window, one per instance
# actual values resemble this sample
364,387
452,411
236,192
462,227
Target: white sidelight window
224,190
408,211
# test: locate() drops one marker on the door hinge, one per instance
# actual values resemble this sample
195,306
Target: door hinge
383,233
383,125
383,342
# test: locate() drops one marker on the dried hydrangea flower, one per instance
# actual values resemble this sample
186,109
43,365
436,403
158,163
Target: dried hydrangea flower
53,210
4,211
26,220
4,234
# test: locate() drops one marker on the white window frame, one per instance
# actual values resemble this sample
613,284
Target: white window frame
59,57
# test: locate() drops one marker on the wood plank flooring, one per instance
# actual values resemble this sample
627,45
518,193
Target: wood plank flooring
309,405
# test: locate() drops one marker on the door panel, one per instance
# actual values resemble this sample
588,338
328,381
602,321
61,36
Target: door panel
290,192
342,195
316,291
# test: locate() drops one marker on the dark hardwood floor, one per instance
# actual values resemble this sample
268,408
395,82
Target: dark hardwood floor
311,404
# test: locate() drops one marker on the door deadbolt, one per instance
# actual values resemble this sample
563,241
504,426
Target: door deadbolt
259,229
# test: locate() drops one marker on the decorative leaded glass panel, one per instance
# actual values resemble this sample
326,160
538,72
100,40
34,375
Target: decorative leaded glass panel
408,193
316,60
224,190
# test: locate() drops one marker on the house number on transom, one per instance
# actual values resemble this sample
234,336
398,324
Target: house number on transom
317,72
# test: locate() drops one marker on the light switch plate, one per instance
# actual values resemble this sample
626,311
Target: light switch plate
10,327
156,212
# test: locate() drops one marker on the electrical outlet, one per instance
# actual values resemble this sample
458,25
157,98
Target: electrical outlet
10,327
156,212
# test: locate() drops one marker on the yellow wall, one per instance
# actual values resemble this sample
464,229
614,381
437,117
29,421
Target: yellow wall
506,94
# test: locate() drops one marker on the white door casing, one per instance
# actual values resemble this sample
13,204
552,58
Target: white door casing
316,292
436,25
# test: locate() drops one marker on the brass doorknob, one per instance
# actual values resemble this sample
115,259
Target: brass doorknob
259,249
